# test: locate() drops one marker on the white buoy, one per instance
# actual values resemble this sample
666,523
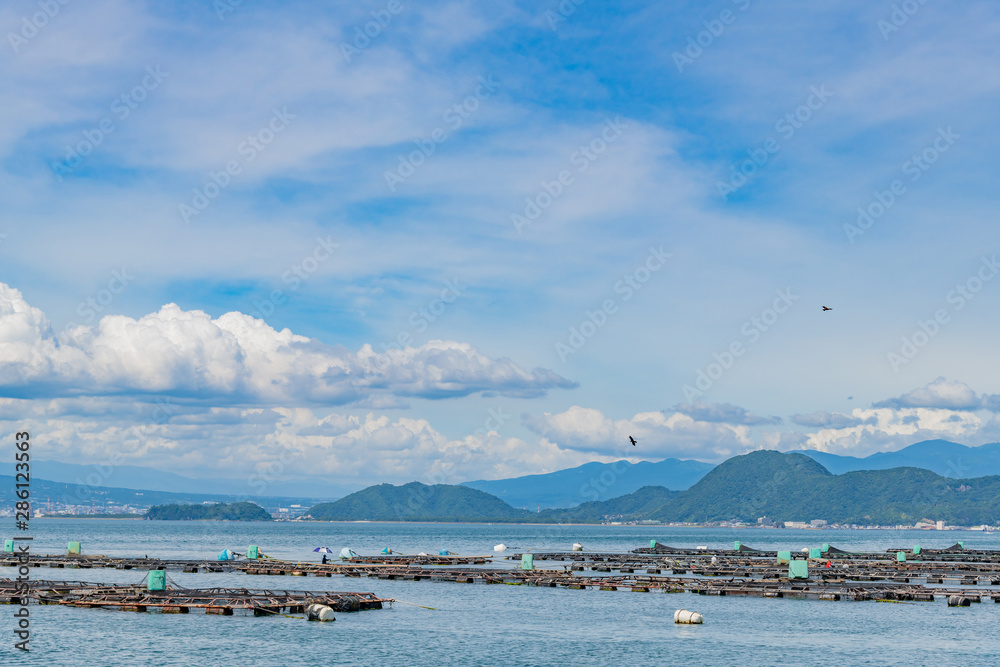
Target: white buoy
319,612
702,548
421,554
500,548
687,617
577,546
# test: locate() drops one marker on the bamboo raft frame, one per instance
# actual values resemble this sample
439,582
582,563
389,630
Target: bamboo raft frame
223,601
867,576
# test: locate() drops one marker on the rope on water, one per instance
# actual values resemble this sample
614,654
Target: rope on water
416,605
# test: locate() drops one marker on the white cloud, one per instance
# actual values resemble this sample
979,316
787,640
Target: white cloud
235,359
941,393
659,435
264,444
886,429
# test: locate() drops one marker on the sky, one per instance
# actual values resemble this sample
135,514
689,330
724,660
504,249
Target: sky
386,241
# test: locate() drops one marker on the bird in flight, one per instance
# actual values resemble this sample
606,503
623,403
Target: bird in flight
632,440
826,308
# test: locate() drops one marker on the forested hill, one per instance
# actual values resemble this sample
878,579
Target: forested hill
794,487
211,512
417,502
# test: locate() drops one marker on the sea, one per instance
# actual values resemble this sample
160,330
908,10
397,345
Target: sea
475,624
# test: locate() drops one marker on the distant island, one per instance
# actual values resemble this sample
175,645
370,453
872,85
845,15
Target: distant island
763,484
212,512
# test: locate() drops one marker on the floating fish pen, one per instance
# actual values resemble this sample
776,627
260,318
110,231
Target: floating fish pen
223,601
894,575
398,559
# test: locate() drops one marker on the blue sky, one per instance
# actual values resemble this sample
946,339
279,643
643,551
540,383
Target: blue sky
564,213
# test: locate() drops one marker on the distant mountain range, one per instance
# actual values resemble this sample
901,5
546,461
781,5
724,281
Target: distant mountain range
592,482
783,487
602,481
948,459
44,491
150,479
578,487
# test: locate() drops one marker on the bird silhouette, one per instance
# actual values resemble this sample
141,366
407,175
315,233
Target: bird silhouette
825,308
632,440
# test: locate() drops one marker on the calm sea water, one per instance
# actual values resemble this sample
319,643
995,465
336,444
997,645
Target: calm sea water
489,625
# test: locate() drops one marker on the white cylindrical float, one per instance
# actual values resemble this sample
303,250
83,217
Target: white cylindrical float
319,612
577,546
500,548
687,617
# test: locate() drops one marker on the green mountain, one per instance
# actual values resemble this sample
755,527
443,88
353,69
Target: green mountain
783,487
794,487
213,512
417,502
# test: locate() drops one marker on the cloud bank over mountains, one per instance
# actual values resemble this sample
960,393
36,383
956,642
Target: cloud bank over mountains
230,396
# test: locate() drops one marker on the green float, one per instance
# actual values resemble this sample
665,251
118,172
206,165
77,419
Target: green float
527,562
156,580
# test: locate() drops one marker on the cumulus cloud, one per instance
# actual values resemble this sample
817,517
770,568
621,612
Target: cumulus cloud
723,413
941,393
659,434
264,445
236,359
887,429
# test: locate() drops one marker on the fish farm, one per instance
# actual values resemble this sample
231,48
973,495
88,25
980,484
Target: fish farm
957,575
